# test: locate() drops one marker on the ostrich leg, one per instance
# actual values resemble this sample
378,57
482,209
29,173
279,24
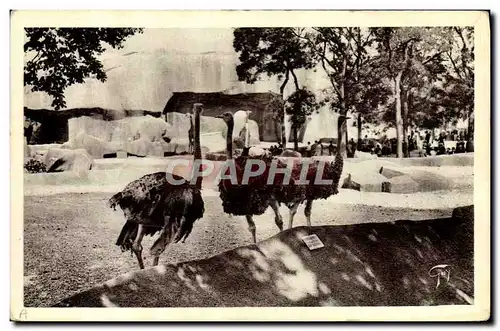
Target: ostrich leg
277,218
184,230
293,211
137,247
251,227
307,211
162,242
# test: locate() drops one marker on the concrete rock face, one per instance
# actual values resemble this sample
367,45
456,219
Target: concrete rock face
58,160
210,142
140,147
403,184
256,151
151,136
27,152
149,127
364,155
363,176
94,146
140,135
382,175
239,127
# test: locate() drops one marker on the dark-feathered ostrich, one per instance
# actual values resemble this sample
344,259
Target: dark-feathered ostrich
296,193
247,199
161,202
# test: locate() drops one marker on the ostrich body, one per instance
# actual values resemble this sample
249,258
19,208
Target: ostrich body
160,202
247,199
296,193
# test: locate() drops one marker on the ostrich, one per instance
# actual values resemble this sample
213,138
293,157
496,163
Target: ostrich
251,199
294,194
161,202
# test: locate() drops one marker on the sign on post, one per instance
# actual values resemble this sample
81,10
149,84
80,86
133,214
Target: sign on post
313,242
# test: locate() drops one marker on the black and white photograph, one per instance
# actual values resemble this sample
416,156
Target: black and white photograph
248,160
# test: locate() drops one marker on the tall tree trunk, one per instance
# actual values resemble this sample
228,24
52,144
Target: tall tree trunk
294,125
359,123
404,99
343,109
399,119
295,80
197,160
282,120
470,125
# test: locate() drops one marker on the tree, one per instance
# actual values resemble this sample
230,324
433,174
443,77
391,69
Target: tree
61,57
299,105
366,96
395,48
423,77
402,53
460,79
343,53
272,52
447,91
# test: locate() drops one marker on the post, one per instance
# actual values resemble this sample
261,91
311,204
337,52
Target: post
247,132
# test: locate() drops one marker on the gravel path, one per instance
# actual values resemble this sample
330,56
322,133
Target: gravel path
69,238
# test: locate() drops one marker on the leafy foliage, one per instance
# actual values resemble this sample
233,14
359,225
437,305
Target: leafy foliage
299,105
61,57
366,97
270,51
34,166
343,55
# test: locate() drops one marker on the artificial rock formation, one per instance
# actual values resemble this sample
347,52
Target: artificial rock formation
58,160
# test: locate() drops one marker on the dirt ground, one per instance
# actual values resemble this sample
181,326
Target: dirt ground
69,239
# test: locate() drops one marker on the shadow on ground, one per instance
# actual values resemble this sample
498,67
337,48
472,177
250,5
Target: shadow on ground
373,264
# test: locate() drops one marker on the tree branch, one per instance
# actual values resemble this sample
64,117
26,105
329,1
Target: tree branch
454,65
282,87
432,58
459,32
330,77
40,53
367,39
295,80
391,73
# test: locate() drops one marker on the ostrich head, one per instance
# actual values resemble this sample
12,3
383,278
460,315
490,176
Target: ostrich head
198,108
226,116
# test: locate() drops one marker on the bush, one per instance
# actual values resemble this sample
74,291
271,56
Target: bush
34,166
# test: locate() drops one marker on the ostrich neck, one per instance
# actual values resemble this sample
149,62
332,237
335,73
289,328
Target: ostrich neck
247,134
197,149
229,139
